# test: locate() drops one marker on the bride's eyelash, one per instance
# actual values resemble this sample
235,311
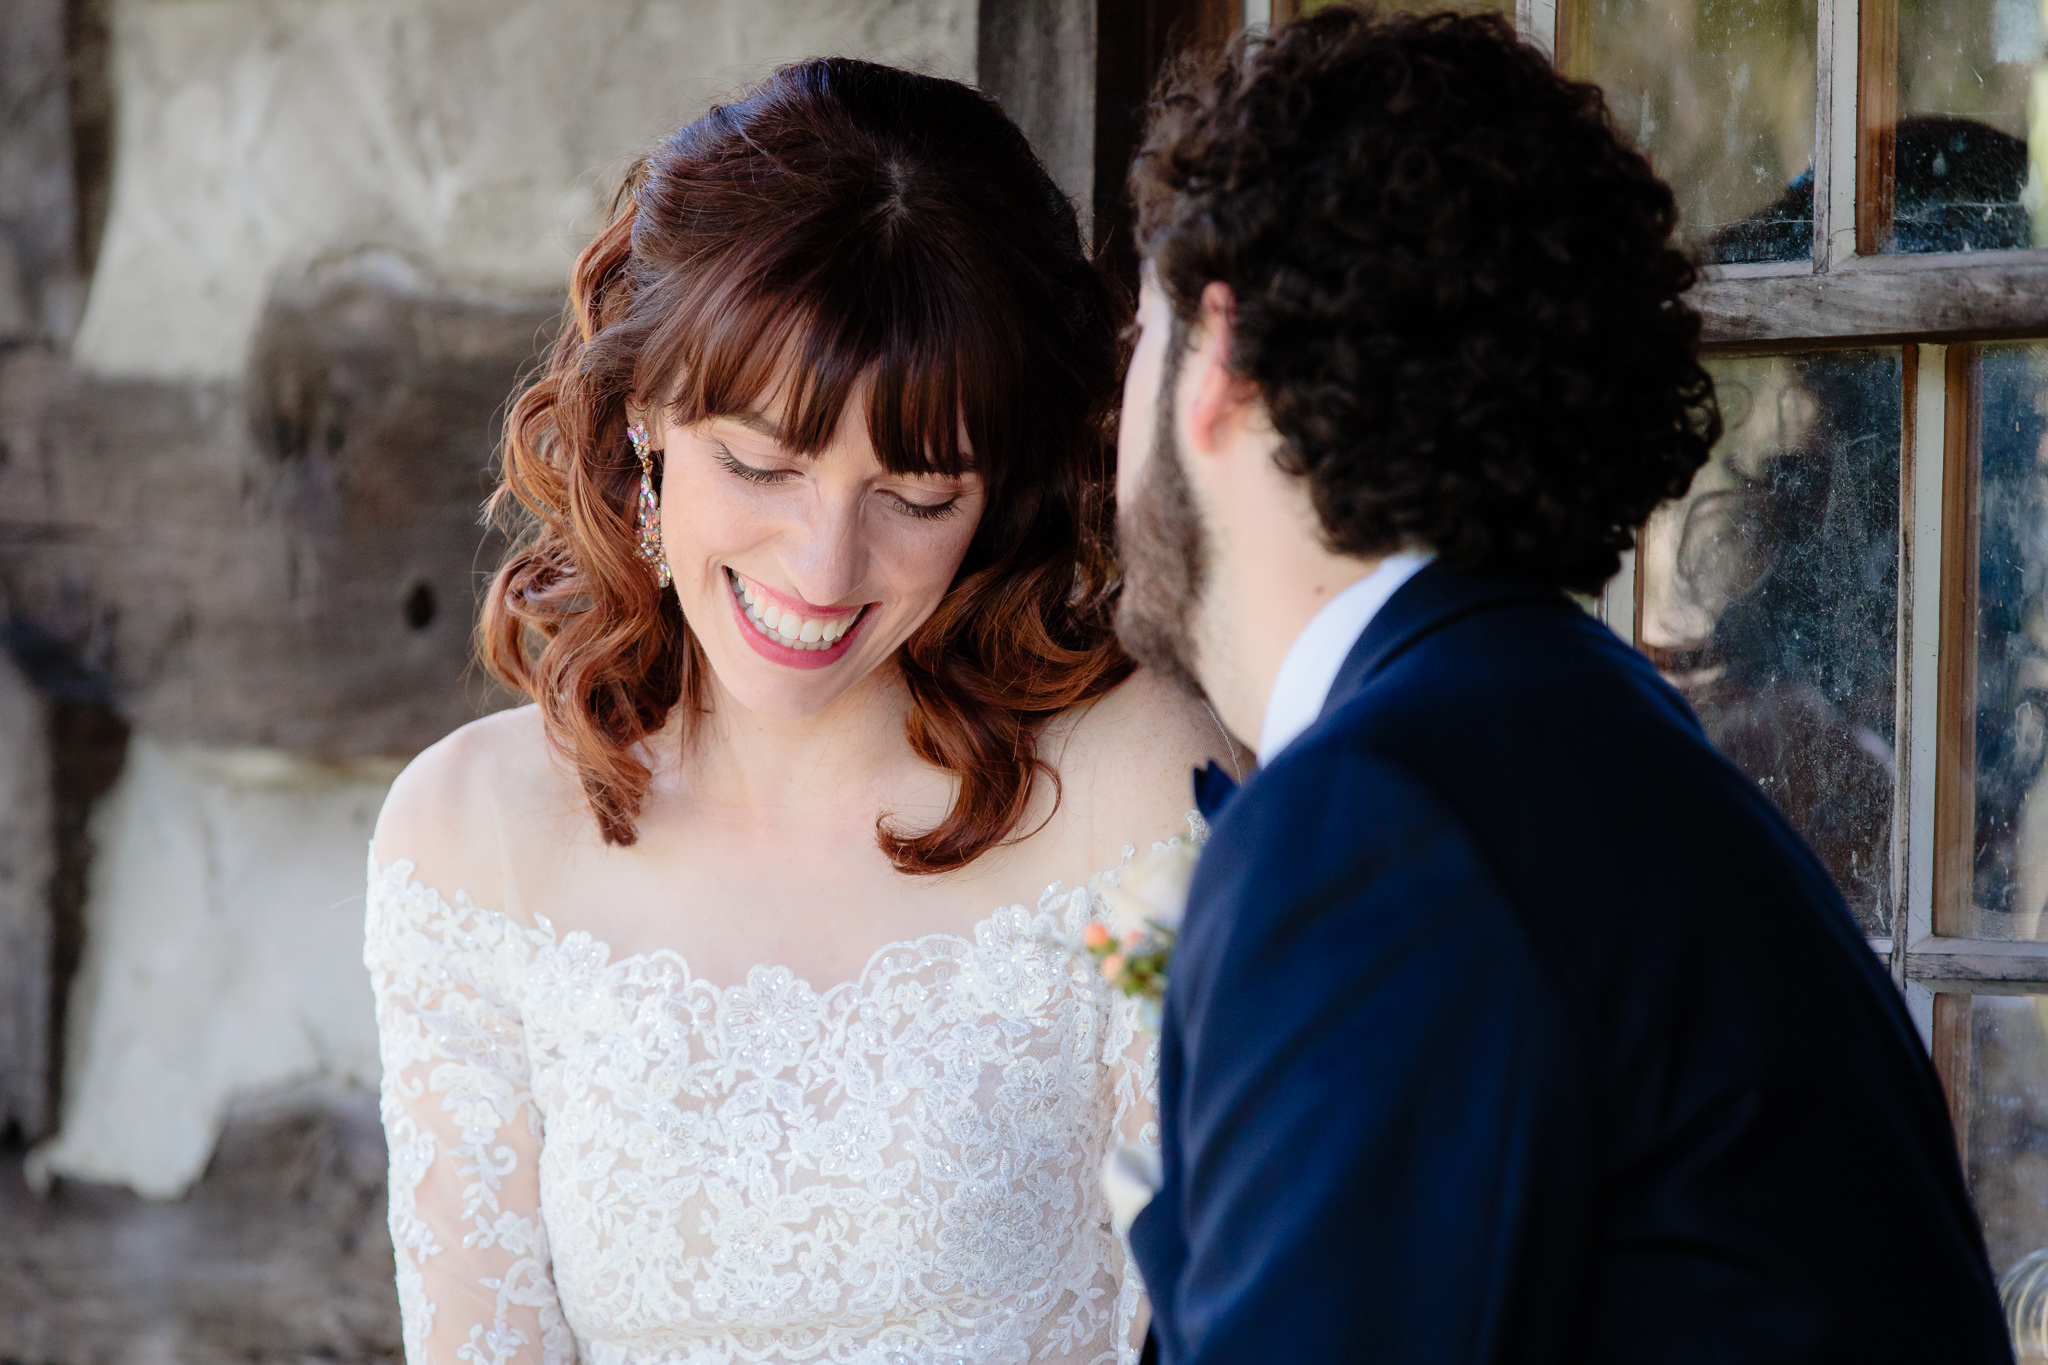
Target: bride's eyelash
929,511
731,465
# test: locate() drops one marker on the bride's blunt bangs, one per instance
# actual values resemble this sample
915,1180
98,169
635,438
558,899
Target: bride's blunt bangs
854,234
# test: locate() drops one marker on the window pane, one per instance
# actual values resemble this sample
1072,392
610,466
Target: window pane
1720,94
1770,597
2004,1110
1958,163
2011,847
1506,7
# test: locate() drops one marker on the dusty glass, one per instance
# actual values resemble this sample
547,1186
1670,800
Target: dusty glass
1506,7
2010,853
1770,598
1961,177
1720,94
2004,1117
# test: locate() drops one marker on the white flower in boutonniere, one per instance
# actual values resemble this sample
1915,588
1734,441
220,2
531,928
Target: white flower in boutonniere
1133,950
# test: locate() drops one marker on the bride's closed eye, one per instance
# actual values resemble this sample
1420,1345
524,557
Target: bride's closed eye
923,511
927,511
732,465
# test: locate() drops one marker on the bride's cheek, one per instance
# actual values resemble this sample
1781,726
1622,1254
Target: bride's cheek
939,562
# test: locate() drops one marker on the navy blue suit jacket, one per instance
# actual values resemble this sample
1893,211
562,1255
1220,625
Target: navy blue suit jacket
1509,1022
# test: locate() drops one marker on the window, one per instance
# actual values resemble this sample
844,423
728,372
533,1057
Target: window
1854,593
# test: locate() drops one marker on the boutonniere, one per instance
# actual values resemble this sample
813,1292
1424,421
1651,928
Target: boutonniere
1134,949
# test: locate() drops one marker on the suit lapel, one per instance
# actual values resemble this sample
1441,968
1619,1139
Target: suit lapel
1426,603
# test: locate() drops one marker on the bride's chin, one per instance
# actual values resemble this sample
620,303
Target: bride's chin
778,692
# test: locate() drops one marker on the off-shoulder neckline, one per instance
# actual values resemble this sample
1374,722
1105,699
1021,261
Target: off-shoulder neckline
542,931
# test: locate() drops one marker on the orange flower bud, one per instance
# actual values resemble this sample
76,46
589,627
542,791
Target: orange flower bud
1134,938
1096,937
1113,968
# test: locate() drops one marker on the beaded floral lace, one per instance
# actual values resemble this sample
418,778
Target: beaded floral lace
614,1161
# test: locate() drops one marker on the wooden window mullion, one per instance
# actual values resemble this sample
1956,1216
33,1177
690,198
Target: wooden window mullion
1835,143
1918,726
1951,1050
1877,120
1955,803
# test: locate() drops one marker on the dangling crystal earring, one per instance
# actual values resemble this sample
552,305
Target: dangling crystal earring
651,553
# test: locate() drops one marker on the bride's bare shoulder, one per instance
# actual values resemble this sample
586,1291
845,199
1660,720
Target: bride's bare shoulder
460,806
1127,759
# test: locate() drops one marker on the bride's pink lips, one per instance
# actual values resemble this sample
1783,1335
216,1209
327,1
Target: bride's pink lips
783,654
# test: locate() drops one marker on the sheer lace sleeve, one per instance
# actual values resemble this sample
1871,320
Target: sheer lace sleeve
1134,1069
474,1284
1131,1054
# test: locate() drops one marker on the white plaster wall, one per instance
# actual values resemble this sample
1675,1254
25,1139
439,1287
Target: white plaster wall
480,138
223,955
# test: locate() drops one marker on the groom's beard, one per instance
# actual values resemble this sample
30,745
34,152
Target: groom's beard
1165,552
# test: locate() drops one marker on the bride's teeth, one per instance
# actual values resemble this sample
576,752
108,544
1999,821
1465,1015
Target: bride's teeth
786,627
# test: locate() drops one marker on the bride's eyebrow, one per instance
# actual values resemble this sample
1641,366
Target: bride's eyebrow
759,423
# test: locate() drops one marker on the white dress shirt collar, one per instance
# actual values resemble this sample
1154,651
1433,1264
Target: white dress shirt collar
1310,668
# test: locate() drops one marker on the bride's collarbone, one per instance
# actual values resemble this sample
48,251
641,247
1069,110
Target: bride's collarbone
724,899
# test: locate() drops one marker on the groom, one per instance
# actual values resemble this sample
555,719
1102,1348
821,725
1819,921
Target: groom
1508,1022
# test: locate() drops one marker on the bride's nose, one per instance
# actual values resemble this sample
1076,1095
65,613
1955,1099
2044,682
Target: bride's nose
825,553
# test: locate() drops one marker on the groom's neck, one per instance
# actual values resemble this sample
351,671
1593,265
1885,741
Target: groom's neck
1269,575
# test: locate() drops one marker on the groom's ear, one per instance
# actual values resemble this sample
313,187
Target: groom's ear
1221,403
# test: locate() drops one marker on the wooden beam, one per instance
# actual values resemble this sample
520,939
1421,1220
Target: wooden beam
1919,730
1955,761
28,839
1037,59
1902,667
1877,122
1952,1063
1980,966
1569,26
1958,296
1134,39
1835,134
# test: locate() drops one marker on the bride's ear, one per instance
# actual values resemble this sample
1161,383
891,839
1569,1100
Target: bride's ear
1222,404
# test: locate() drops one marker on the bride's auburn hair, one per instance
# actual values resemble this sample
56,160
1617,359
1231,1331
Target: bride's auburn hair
842,224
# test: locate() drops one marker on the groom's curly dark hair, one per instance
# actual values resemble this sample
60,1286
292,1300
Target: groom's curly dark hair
1455,285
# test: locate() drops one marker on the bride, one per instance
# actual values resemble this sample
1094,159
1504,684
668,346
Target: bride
727,1007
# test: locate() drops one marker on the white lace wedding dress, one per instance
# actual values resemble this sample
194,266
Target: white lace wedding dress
615,1162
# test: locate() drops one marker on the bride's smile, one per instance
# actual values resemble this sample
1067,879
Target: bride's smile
799,629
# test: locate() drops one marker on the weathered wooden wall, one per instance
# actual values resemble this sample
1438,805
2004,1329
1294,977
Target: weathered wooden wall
40,288
1037,57
27,863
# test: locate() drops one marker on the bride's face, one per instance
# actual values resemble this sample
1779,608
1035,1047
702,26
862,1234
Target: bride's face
802,574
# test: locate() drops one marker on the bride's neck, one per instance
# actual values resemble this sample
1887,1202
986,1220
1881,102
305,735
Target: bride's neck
846,758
